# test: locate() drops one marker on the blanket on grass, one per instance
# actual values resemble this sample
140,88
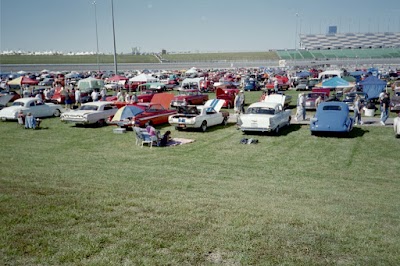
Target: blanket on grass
179,141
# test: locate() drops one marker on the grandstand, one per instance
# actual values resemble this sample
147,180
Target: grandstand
345,46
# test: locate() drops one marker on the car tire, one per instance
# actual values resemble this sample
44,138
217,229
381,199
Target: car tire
203,126
276,131
57,113
229,105
178,128
101,122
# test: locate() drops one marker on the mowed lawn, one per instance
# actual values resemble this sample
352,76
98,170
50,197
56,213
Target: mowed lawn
86,196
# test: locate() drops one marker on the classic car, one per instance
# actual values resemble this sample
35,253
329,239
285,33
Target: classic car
251,85
201,117
351,96
156,111
331,117
395,103
59,96
189,97
228,94
312,97
396,125
30,105
46,82
302,84
266,116
143,97
283,83
90,113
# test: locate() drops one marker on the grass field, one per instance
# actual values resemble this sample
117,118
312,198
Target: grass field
86,196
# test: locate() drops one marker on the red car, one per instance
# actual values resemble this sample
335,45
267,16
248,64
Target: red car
283,83
156,111
311,97
228,94
189,97
145,97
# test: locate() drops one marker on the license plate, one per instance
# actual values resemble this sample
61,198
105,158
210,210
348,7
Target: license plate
181,125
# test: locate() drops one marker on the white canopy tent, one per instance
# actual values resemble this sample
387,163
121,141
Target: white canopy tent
143,78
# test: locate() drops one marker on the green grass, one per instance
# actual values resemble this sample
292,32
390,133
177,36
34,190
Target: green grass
87,196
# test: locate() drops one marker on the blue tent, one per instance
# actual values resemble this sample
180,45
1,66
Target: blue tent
336,82
303,74
373,86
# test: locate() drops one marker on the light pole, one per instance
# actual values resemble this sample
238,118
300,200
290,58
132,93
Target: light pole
295,36
97,36
115,50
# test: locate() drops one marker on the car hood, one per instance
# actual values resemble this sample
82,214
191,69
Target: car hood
214,104
4,99
276,98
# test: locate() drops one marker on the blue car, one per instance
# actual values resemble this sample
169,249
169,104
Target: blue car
331,117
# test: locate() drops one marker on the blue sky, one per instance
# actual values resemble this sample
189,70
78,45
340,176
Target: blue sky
184,25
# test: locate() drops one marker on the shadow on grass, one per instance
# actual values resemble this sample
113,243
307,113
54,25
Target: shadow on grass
209,129
355,133
282,132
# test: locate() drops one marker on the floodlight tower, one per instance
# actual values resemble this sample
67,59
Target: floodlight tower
97,36
115,49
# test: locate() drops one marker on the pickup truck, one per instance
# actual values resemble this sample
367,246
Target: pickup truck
90,113
200,117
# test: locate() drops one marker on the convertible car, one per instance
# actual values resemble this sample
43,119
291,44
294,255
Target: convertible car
30,105
331,117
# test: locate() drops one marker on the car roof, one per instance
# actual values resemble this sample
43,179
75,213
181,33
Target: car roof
264,104
99,103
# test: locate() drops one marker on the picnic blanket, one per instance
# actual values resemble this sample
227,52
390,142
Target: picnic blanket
179,141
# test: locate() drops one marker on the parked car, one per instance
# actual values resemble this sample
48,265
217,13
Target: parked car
189,97
396,125
201,117
331,117
395,103
302,84
351,96
90,113
30,105
266,116
154,112
227,94
251,85
46,82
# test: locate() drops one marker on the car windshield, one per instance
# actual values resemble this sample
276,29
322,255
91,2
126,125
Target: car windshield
261,110
18,104
89,107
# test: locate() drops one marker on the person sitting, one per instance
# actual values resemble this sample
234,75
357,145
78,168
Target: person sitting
165,139
152,131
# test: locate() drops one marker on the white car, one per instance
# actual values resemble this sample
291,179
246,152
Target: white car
30,105
90,113
396,126
201,116
268,116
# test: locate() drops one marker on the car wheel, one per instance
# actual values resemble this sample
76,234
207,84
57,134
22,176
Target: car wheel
229,106
177,128
225,121
204,126
101,122
57,113
276,130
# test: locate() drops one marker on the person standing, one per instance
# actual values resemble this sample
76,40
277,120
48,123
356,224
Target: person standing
242,101
95,95
301,107
318,101
78,97
103,93
357,110
134,98
385,109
